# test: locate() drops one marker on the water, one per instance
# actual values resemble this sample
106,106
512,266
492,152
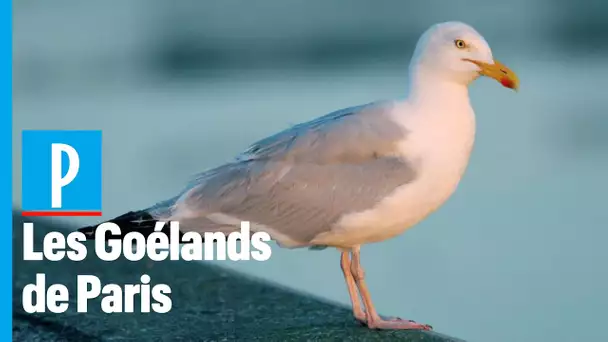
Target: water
517,254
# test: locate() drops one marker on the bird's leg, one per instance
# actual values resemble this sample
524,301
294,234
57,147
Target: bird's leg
373,320
352,287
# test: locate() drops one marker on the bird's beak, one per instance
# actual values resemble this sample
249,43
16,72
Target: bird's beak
499,72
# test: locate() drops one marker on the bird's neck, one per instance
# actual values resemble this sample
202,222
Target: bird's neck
430,88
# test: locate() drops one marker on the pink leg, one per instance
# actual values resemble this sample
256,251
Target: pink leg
352,288
374,321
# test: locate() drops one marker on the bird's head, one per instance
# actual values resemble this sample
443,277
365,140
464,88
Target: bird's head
458,51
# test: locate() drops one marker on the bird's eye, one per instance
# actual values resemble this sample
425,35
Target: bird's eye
460,43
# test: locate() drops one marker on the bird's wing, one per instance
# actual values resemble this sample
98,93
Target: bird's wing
349,135
300,182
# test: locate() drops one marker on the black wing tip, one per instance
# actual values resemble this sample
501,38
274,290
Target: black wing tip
132,221
88,231
139,221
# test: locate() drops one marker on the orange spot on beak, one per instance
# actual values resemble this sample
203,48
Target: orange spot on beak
507,82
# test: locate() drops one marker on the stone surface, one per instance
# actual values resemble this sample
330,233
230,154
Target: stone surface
209,304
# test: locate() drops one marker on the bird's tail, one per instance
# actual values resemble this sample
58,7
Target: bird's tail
142,221
134,221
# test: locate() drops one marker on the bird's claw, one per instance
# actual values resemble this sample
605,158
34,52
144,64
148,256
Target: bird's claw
428,326
399,324
394,323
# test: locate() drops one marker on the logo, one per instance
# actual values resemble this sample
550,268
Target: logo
61,173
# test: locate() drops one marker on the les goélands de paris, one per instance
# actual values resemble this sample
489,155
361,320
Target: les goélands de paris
158,246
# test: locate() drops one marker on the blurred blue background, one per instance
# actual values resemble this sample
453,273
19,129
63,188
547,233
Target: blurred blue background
517,254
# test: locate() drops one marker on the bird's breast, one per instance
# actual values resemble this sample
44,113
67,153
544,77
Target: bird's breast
439,148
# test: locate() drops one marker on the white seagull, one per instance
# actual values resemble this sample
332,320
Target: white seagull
355,176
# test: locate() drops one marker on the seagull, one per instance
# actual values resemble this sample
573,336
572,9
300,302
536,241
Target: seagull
352,177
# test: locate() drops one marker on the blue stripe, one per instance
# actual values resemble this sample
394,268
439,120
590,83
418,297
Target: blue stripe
6,179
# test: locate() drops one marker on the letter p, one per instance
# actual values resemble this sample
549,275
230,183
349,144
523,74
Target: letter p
58,181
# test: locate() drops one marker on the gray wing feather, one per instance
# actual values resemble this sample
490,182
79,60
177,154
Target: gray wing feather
349,135
302,180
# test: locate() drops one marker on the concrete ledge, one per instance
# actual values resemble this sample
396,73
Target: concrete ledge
209,304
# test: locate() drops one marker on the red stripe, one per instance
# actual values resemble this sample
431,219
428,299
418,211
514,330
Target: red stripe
61,213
